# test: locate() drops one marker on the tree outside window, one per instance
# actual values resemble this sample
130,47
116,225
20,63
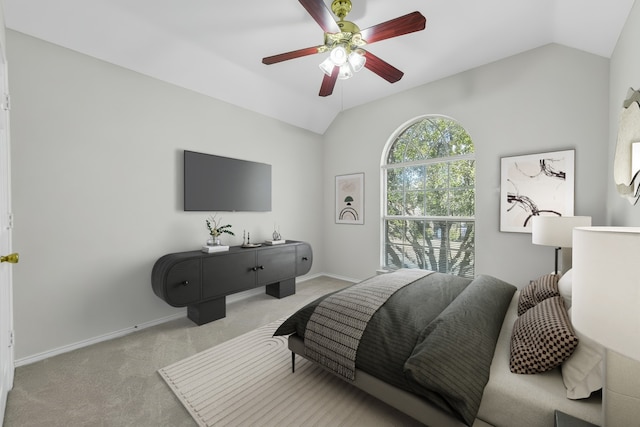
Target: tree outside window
428,217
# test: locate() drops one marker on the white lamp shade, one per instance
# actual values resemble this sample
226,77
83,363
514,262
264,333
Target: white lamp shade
556,230
346,72
357,61
327,66
606,287
338,55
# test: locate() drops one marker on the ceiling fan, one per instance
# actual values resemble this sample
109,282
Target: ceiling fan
345,41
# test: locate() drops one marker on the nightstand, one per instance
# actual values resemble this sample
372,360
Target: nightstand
564,420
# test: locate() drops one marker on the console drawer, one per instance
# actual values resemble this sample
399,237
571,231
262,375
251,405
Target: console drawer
183,283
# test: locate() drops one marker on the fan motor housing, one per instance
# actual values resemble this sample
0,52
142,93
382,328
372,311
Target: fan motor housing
348,27
341,8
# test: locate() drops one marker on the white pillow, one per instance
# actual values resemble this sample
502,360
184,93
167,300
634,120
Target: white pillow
582,373
564,286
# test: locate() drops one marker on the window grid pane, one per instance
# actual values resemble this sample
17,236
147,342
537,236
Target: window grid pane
443,246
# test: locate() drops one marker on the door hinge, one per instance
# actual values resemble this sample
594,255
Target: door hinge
6,102
11,339
10,221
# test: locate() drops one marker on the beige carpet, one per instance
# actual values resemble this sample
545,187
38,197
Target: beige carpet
247,381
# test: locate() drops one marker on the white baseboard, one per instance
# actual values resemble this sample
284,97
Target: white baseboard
95,340
117,334
3,401
346,279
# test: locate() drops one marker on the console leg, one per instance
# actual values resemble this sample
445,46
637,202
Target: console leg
207,311
281,289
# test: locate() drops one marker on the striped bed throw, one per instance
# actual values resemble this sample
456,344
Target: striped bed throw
336,326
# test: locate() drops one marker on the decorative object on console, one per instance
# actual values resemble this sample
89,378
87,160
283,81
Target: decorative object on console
276,234
209,249
248,243
625,173
215,230
557,231
606,308
274,242
277,238
535,184
350,199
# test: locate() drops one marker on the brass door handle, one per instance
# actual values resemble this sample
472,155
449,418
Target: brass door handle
11,258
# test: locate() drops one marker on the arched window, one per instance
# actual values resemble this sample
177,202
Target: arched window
429,193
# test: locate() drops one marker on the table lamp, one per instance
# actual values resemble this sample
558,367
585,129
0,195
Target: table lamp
606,308
557,231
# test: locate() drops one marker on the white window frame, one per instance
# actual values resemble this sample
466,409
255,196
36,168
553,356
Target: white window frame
384,167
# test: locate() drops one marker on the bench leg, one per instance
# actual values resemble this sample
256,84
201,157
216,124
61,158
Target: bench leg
293,362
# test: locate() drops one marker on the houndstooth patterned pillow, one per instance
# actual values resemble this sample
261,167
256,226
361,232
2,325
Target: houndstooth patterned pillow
538,290
542,338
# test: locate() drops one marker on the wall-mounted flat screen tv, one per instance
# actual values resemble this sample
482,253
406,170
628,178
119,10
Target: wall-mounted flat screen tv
215,183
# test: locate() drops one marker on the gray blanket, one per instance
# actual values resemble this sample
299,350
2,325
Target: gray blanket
417,342
333,332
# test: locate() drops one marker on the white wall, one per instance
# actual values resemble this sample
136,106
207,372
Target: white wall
625,73
547,99
3,36
97,189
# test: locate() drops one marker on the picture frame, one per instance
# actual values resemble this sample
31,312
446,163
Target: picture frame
349,207
535,184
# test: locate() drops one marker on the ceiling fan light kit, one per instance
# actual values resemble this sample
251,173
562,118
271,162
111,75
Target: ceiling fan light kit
338,55
344,41
347,62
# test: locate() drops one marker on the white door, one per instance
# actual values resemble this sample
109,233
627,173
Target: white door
6,294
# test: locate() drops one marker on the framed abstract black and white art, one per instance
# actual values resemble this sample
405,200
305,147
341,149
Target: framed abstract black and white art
535,184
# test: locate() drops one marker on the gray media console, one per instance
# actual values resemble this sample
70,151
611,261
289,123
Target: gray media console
201,281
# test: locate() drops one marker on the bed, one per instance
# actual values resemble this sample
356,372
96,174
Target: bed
464,327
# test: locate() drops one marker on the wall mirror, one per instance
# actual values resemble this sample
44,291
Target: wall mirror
626,164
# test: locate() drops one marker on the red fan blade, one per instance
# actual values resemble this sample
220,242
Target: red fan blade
382,68
329,82
396,27
321,14
290,55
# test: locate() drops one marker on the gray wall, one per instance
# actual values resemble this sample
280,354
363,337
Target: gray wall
625,73
96,155
551,98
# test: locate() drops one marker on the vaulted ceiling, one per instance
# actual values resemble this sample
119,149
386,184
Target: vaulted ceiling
216,47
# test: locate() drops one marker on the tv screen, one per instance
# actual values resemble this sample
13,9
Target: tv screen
215,183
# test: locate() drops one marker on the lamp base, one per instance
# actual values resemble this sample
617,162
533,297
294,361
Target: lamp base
567,255
621,394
